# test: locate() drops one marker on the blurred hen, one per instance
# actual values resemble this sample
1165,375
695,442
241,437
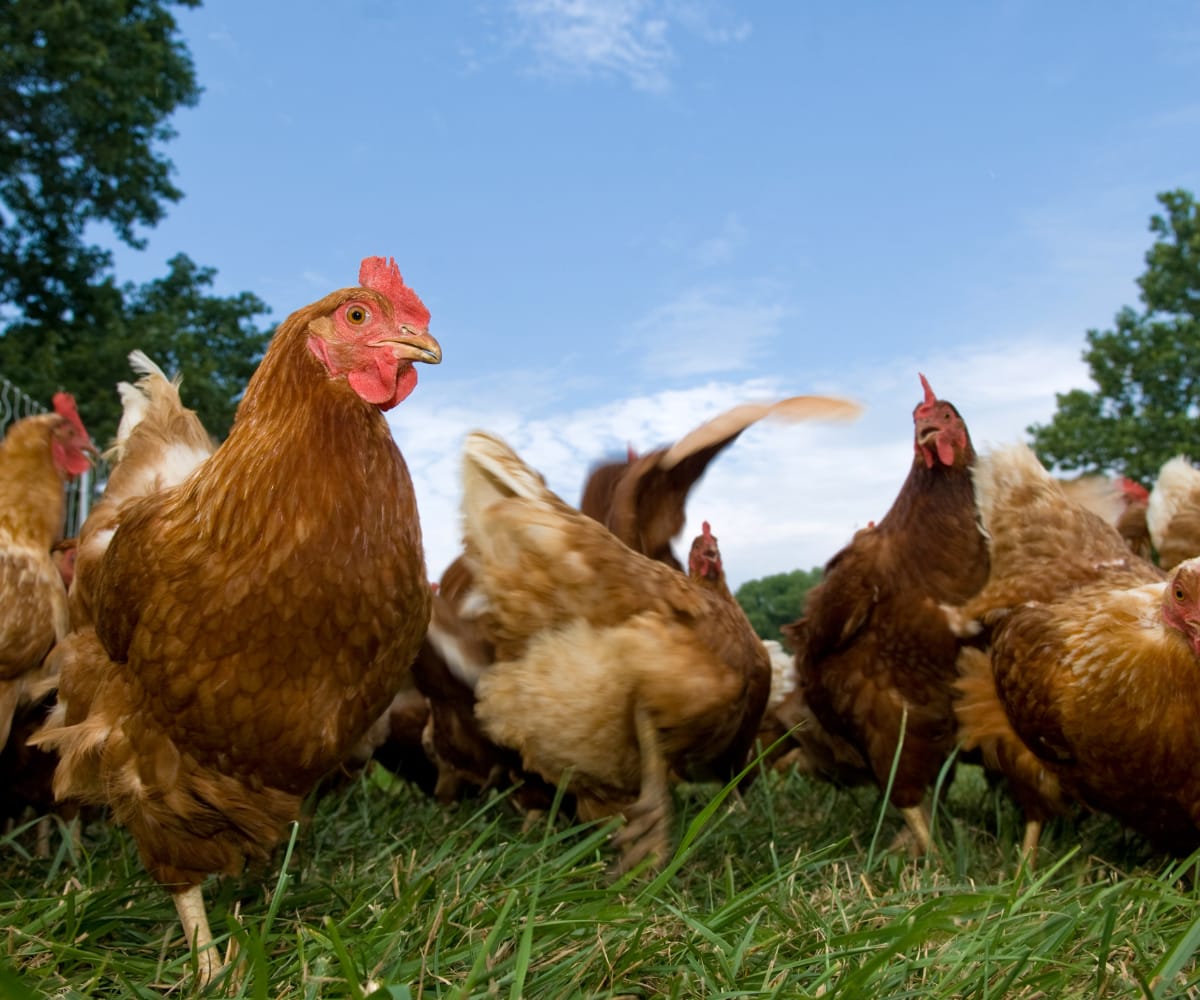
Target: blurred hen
38,455
612,671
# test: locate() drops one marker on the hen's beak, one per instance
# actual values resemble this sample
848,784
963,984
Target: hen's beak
414,345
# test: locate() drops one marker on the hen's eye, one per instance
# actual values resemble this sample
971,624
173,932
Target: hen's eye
1179,593
356,315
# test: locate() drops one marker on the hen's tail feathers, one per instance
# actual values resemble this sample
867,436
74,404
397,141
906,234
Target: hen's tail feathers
737,419
136,399
1101,495
1176,481
493,471
1002,471
783,673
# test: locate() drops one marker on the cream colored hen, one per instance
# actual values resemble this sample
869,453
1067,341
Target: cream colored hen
612,671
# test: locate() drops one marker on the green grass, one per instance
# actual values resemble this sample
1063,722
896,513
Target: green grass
385,893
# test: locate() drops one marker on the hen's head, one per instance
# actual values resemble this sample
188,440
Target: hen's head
374,333
1181,602
939,433
70,444
704,561
1133,491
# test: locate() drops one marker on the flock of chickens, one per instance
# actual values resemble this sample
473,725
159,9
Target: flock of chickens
235,622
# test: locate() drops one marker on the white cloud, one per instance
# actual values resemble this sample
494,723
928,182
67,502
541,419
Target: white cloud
705,330
720,249
623,38
783,497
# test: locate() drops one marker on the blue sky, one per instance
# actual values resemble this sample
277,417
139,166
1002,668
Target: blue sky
626,216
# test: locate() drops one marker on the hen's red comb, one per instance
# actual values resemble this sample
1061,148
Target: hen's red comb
64,406
930,398
1134,491
706,531
380,274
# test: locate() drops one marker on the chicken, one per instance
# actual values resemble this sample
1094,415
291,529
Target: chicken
1100,687
38,455
1173,512
642,501
875,658
1131,522
1120,501
1042,547
612,670
252,621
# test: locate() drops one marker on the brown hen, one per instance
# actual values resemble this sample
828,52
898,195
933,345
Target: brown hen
1100,687
874,655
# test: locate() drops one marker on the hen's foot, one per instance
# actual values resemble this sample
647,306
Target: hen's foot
644,835
192,915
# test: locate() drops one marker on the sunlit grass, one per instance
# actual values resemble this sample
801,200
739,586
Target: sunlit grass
772,893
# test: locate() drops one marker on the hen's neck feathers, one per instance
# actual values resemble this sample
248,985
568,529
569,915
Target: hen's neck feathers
932,490
323,452
32,498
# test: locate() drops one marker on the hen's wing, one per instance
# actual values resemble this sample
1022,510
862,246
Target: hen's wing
542,563
642,500
1042,544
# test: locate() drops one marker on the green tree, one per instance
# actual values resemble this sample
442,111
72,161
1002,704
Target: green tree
1146,406
777,600
87,88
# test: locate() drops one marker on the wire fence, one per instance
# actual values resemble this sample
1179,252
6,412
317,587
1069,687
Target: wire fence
16,404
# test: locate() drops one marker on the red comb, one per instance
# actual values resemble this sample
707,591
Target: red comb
64,406
380,274
1134,491
930,398
707,531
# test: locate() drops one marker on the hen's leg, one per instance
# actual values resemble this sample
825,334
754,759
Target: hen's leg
190,906
645,833
1029,844
916,839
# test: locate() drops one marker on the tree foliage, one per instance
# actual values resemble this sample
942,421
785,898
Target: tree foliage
777,600
87,88
1146,370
